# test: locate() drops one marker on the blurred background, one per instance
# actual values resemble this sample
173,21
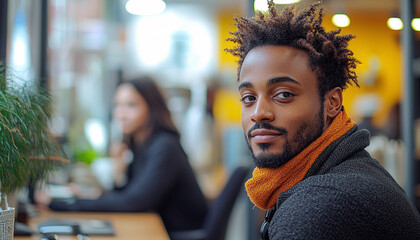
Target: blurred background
81,49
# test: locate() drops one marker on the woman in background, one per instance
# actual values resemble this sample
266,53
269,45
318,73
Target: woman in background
159,178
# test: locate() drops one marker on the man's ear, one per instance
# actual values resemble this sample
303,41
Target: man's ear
333,102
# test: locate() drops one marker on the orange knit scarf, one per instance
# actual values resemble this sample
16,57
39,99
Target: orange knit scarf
266,184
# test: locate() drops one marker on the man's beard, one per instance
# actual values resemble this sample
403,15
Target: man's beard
305,135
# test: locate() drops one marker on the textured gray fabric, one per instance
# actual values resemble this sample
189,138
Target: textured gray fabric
345,195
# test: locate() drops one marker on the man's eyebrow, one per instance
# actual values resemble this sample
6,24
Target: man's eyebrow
281,79
245,84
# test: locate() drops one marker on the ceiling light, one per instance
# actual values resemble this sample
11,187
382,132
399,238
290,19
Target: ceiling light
415,24
261,5
395,23
286,1
341,20
145,7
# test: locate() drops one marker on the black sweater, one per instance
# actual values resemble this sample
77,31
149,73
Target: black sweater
160,179
345,195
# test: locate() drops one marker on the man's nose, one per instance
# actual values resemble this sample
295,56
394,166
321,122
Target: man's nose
263,112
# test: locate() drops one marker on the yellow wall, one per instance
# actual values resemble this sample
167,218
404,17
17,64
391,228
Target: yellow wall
373,39
226,24
227,107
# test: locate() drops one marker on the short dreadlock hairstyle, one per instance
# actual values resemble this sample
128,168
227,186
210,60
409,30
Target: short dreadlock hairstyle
329,57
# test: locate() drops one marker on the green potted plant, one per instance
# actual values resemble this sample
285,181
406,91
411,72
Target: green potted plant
28,152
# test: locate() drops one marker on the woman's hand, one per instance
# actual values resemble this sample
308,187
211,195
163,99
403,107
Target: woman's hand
42,198
120,156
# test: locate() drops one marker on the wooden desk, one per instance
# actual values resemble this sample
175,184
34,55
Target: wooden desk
148,226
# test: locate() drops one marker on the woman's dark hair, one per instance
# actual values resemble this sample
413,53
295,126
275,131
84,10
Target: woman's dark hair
329,57
160,117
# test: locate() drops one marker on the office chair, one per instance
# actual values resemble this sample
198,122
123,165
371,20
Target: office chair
216,221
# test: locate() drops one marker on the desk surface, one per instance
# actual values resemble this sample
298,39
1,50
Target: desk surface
126,225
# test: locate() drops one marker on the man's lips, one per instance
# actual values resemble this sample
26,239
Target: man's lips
264,135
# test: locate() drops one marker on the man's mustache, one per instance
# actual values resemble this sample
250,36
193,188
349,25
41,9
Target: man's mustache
266,126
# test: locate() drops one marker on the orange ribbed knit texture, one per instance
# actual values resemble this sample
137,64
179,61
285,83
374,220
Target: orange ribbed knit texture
266,184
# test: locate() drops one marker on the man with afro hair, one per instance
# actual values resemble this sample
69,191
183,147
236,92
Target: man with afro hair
313,174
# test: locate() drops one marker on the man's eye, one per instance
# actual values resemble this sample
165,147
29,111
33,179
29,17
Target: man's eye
247,99
285,95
